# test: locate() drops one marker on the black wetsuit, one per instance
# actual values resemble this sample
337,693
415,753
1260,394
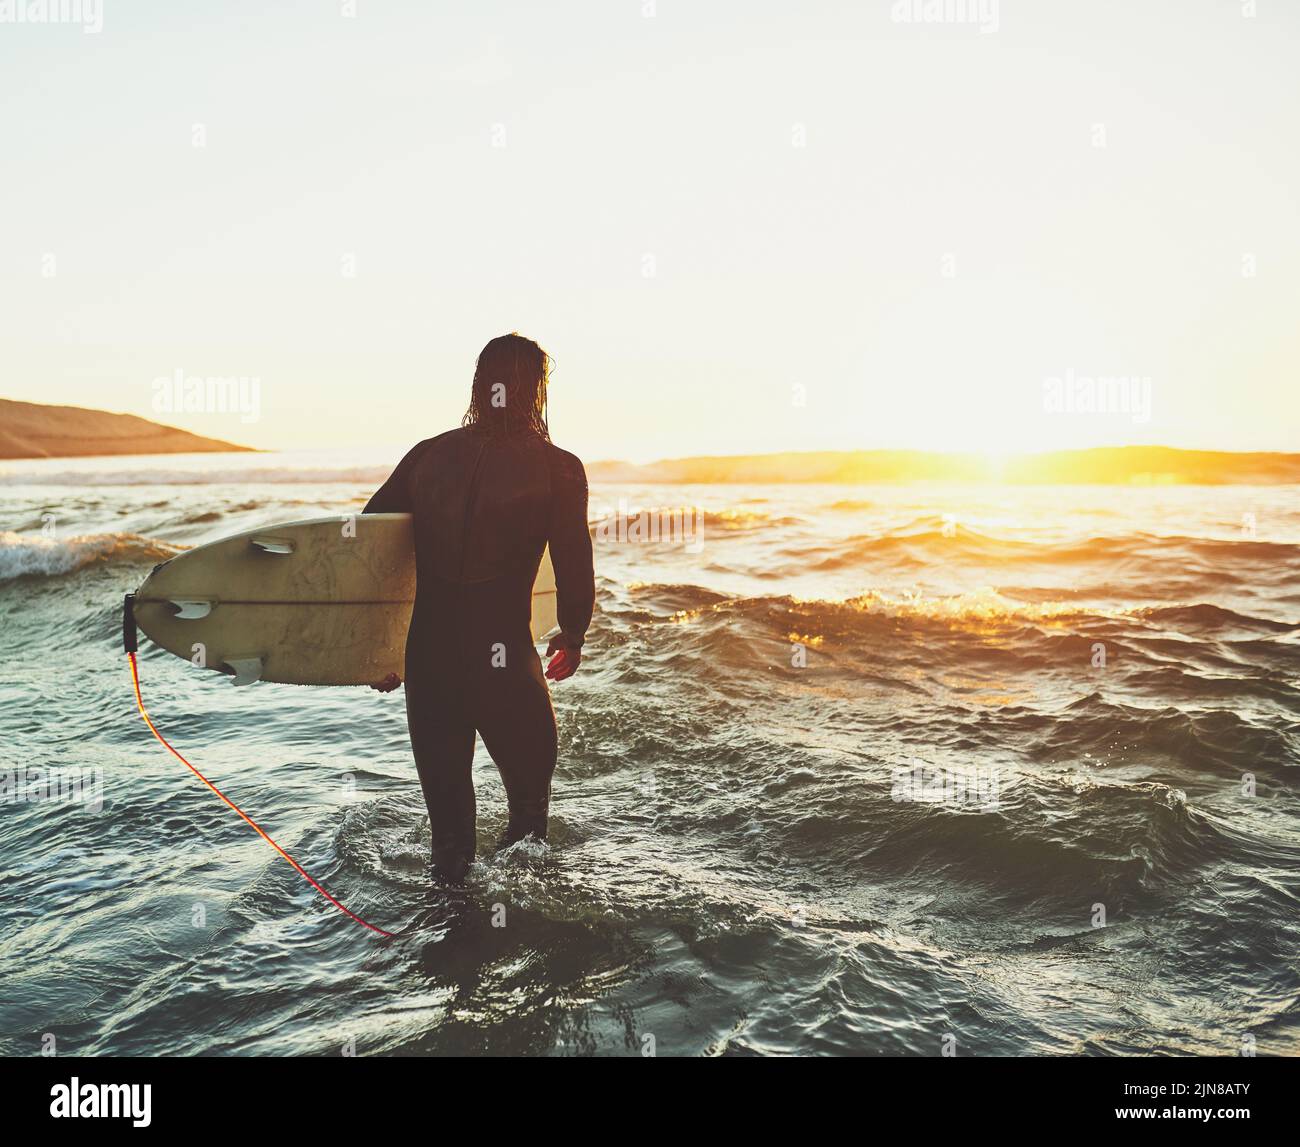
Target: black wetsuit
485,505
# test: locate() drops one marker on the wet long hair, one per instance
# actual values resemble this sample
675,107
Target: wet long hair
509,394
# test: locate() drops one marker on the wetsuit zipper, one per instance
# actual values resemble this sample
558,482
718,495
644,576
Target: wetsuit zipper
470,495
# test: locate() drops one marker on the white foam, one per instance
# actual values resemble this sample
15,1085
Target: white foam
366,467
37,554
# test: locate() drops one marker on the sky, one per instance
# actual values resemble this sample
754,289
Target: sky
737,227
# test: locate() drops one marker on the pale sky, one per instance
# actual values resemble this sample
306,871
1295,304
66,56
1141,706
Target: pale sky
918,224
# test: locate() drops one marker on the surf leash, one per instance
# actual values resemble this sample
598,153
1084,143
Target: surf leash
130,644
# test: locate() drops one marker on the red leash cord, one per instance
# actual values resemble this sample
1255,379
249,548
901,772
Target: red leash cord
139,700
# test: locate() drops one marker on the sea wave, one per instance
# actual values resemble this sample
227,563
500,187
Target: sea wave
729,767
37,555
688,601
1197,652
352,475
1205,615
923,542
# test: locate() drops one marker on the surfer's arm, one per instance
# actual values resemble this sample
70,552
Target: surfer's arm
570,541
394,496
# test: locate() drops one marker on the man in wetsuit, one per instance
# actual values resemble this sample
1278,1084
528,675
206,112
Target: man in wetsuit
486,500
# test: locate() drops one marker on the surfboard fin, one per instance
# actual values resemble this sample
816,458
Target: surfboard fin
191,610
273,545
246,669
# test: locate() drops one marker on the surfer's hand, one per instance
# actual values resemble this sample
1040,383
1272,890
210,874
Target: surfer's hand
566,658
388,684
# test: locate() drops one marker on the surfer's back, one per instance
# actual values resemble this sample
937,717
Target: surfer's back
485,506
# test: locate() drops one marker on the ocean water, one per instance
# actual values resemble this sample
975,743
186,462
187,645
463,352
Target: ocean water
857,770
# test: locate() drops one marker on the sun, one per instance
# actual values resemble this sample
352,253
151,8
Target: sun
996,462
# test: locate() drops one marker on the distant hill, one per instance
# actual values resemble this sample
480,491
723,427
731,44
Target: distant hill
34,430
1128,465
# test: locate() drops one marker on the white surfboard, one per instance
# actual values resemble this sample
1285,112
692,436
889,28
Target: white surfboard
322,602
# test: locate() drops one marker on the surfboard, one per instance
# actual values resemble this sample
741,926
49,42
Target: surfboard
320,602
